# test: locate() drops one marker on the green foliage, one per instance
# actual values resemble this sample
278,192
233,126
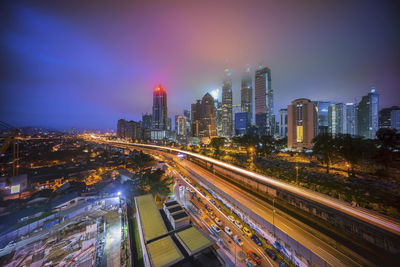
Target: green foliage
217,143
157,183
325,149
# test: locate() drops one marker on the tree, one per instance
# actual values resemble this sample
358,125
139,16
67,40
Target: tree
217,143
325,148
388,141
352,149
266,145
158,184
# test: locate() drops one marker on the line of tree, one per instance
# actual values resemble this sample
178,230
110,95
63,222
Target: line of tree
352,149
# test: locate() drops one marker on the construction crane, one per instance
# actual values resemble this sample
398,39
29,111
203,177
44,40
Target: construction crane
8,140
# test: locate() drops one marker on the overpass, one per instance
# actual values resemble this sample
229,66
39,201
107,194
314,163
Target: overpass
380,230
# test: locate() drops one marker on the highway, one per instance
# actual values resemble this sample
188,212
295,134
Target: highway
240,252
375,219
325,247
304,234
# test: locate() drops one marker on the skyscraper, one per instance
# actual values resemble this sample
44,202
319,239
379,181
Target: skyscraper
385,116
302,124
160,118
246,94
227,105
181,125
204,117
283,114
241,123
342,119
322,109
147,121
208,125
368,115
264,103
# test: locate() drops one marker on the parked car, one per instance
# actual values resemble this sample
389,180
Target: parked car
213,201
256,240
216,228
246,231
231,218
250,262
218,221
255,257
238,224
238,240
271,253
228,231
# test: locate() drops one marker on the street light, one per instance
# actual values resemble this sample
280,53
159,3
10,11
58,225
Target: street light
297,174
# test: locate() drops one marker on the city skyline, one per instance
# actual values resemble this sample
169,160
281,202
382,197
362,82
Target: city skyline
66,70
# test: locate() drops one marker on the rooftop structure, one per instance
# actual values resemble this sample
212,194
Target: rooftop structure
193,240
151,221
163,252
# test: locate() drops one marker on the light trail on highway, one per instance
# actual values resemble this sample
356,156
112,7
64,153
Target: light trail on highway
366,216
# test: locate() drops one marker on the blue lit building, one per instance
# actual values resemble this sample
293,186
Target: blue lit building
241,123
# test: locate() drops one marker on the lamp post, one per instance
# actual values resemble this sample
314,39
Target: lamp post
297,174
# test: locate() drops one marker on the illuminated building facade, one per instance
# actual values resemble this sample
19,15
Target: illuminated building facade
264,102
160,111
227,126
283,123
302,124
368,115
323,110
246,95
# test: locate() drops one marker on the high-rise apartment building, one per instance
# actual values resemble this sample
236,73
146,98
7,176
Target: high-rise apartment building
219,118
227,126
130,130
160,117
368,115
302,124
246,95
264,102
322,109
283,123
195,118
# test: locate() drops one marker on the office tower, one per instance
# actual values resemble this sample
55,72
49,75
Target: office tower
208,125
283,123
302,124
368,115
169,124
385,117
264,103
186,113
219,118
227,105
204,117
350,125
147,121
130,130
395,119
181,126
241,123
322,109
196,117
335,118
246,95
160,119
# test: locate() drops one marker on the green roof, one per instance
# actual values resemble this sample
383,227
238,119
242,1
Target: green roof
163,252
152,223
193,240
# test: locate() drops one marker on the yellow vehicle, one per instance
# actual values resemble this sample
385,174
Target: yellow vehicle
247,231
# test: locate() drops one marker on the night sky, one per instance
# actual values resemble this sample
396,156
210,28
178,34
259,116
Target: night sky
85,64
